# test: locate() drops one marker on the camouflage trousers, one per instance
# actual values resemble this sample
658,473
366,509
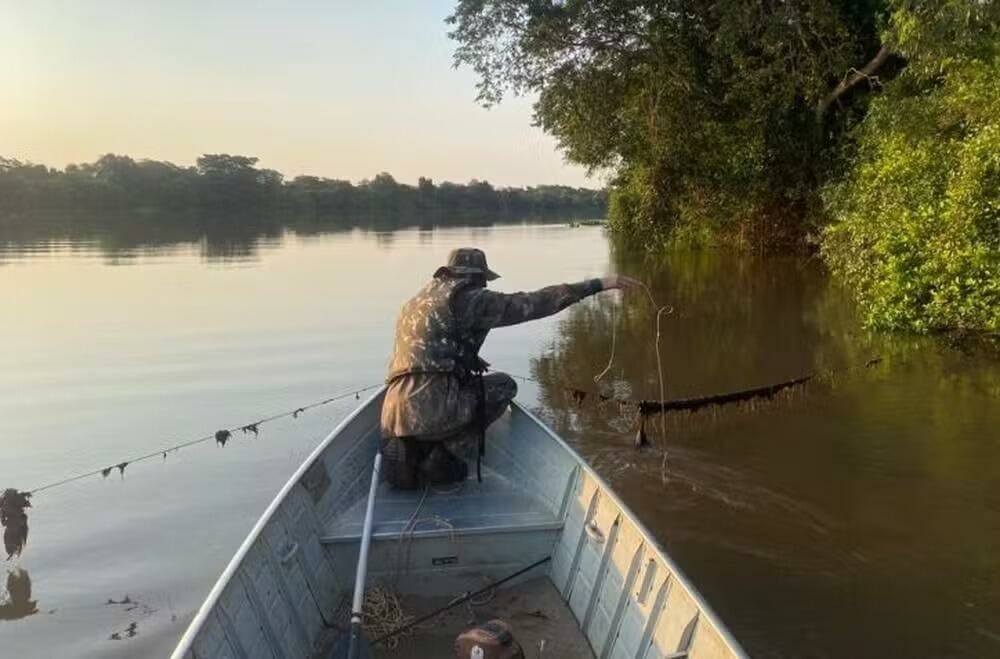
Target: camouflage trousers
410,460
435,407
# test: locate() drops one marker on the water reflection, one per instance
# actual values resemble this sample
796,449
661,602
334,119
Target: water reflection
17,602
123,238
852,489
738,323
133,608
130,631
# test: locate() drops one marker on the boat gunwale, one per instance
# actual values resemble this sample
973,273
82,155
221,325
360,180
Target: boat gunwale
215,594
675,572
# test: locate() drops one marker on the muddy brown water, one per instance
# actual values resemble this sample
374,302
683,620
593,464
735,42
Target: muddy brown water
858,516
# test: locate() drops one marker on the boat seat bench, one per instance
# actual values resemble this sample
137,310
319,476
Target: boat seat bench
493,506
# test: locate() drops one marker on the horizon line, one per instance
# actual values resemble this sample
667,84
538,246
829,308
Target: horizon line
285,179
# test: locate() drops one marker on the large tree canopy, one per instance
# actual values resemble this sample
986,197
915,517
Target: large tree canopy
726,121
712,115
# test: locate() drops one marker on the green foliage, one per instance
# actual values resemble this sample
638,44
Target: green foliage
917,219
233,182
230,183
706,111
724,123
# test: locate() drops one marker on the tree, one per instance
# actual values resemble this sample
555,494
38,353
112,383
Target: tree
224,183
225,166
726,121
231,182
917,218
704,111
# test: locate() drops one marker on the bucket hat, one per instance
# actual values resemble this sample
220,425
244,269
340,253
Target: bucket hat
468,261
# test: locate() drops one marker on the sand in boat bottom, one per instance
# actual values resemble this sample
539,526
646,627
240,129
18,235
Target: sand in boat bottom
533,609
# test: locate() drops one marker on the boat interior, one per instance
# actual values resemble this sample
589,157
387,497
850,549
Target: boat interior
602,587
431,545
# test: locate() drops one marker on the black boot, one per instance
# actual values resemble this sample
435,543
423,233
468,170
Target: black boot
400,457
442,467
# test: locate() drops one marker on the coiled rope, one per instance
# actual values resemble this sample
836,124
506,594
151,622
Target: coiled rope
383,613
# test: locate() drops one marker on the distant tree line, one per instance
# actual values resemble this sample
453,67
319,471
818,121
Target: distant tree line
221,183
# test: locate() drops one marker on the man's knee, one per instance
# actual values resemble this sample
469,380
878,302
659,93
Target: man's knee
500,391
502,386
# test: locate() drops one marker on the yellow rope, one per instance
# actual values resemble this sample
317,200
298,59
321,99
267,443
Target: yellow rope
382,613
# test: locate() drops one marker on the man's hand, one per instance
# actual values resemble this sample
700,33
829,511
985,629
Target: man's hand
620,282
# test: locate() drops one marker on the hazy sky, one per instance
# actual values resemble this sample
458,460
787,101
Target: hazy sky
335,88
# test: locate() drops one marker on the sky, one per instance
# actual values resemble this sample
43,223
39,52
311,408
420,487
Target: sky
331,88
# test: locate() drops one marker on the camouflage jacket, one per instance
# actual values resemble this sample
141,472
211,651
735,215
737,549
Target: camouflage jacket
423,403
429,336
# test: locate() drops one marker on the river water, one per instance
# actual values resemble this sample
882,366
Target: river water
858,516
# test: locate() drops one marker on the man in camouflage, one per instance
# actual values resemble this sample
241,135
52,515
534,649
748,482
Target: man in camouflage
437,389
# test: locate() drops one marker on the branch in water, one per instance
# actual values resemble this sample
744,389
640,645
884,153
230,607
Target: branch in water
654,406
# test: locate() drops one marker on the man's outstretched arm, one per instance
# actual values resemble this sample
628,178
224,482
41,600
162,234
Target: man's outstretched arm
484,309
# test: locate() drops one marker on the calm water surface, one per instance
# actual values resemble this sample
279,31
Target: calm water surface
858,517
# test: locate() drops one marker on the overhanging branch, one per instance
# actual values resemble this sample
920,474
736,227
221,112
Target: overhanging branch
853,77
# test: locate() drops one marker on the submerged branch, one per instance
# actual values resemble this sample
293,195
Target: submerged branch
691,404
648,407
